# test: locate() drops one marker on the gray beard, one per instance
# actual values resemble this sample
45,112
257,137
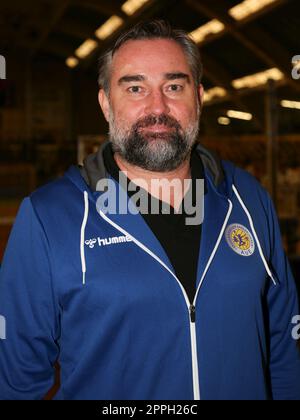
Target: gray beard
156,152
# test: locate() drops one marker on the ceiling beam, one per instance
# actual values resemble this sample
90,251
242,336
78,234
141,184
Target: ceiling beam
254,38
245,92
76,28
59,48
151,8
220,77
106,8
243,22
58,13
261,12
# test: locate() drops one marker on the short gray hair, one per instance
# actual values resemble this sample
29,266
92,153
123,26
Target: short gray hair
154,29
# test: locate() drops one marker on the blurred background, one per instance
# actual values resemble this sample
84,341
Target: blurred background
49,115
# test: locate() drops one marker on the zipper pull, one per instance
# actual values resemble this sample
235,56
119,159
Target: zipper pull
193,313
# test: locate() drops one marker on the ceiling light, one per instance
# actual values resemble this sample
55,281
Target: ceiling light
239,115
86,48
212,27
248,7
72,62
258,79
109,27
214,93
132,6
290,104
224,121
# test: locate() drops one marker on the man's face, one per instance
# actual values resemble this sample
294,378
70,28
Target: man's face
153,107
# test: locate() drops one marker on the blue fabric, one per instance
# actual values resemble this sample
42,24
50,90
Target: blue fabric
125,334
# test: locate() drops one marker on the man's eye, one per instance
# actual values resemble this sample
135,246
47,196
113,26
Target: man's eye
174,88
135,89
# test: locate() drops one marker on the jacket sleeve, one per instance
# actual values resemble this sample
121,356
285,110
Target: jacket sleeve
283,307
28,310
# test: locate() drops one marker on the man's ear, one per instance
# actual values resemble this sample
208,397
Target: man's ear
104,104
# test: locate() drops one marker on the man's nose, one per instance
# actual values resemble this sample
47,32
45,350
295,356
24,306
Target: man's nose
157,103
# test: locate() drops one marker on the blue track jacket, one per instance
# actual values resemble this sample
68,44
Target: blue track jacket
97,292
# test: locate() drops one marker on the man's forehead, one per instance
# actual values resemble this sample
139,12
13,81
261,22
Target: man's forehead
154,44
153,54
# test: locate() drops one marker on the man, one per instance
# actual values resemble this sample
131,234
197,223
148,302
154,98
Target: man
141,304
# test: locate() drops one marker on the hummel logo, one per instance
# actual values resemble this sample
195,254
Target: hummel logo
107,241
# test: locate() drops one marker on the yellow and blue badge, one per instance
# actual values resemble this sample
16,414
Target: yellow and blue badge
240,240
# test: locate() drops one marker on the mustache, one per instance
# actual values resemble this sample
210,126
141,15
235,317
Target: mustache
152,120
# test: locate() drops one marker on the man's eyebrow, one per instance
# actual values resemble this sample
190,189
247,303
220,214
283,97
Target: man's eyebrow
177,75
131,78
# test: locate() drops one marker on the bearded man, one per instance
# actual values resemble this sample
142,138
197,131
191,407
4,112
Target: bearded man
143,304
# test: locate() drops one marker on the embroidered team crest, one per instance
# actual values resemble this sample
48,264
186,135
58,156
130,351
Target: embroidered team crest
240,240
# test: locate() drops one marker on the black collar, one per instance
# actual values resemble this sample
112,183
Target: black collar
197,172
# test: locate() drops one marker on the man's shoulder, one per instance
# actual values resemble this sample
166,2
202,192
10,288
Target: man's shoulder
247,185
241,176
225,173
55,193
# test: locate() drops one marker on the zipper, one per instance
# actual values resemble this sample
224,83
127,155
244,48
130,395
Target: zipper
193,313
191,307
196,383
